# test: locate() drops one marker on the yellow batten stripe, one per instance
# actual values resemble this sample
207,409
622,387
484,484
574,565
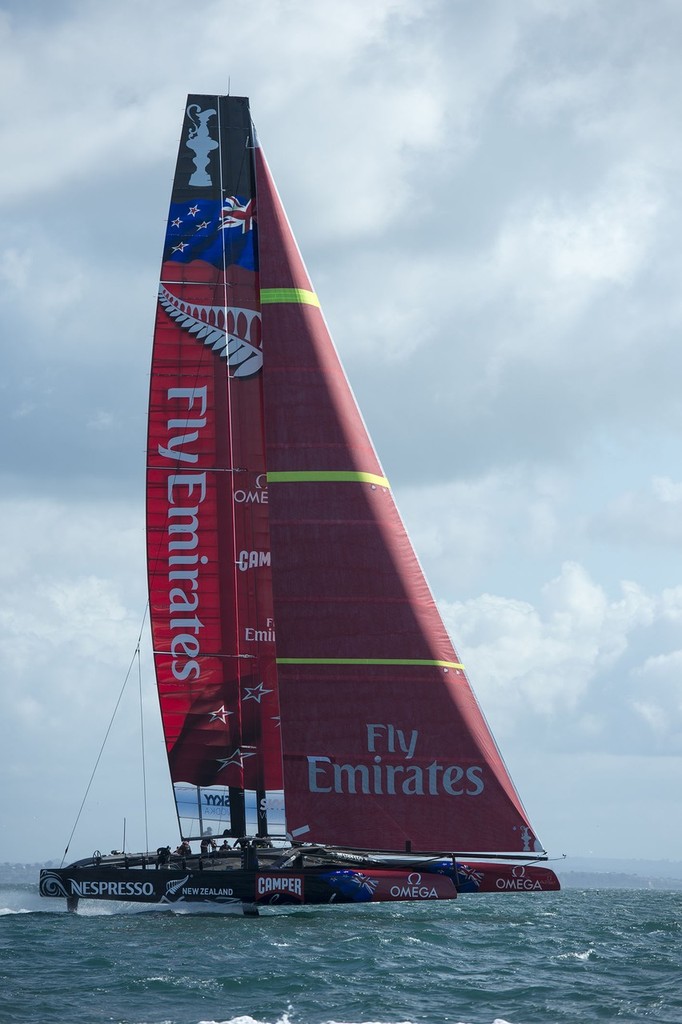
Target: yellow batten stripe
298,295
327,476
368,661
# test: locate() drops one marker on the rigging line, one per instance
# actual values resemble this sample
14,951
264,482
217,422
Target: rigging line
229,385
244,177
106,735
144,767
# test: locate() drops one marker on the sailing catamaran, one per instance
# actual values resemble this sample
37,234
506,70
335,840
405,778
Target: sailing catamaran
318,721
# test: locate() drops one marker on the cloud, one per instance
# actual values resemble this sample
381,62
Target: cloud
650,515
465,528
70,612
661,704
66,608
573,670
551,256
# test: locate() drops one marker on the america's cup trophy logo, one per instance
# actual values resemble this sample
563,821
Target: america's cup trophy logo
200,141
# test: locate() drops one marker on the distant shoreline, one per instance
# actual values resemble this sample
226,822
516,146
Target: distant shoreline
615,880
618,873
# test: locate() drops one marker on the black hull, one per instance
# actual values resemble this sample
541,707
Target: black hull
242,888
278,878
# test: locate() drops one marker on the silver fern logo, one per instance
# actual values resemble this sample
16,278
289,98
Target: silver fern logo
172,887
231,331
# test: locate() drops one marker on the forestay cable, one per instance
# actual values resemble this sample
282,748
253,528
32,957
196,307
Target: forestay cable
106,737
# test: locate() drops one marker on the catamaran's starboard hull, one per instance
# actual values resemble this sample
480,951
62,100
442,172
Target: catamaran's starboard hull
489,876
325,885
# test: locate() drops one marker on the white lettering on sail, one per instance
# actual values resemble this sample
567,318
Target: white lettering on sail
314,771
185,494
252,560
257,496
389,736
380,779
261,636
383,778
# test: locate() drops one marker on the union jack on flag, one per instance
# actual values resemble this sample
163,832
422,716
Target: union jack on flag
235,214
469,874
352,883
215,231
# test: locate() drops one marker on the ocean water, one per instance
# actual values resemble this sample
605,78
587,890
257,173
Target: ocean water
575,956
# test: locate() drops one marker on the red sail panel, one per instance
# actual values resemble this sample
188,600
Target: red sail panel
384,744
207,515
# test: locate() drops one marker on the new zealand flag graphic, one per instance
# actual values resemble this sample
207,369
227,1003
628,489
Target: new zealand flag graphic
198,230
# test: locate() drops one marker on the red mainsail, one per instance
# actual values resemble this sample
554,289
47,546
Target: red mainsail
282,580
208,531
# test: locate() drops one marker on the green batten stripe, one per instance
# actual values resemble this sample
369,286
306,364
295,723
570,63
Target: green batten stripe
328,476
367,661
300,295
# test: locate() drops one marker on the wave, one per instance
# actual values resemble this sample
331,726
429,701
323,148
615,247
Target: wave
24,900
285,1019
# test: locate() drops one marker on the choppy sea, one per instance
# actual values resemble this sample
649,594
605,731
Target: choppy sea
574,956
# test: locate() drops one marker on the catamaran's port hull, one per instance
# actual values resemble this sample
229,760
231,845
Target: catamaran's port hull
258,888
223,884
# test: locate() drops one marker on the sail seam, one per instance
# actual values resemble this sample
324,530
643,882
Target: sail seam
369,661
327,476
300,296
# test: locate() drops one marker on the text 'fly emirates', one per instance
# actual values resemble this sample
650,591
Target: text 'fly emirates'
185,493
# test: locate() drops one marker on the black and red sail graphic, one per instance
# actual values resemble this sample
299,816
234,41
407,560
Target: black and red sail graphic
208,538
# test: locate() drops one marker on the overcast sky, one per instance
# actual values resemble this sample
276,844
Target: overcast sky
488,196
